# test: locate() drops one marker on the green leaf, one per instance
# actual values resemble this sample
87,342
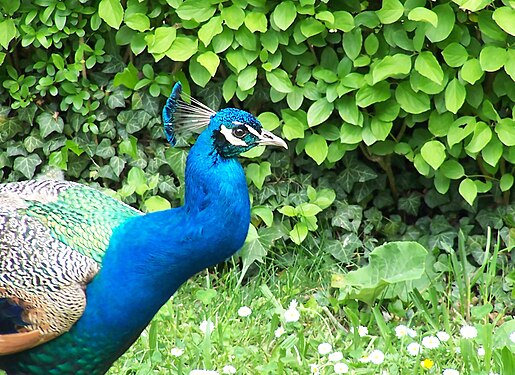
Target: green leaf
421,165
156,203
233,16
7,32
505,18
316,147
482,135
111,12
471,71
389,264
199,74
455,94
390,11
307,209
26,165
210,29
446,19
284,14
299,233
411,101
162,39
506,182
427,65
279,80
137,21
257,173
210,61
509,65
310,27
368,95
182,48
433,153
343,21
492,58
293,126
505,130
256,21
247,78
455,54
391,66
492,152
352,42
423,14
198,10
452,169
49,123
468,190
319,111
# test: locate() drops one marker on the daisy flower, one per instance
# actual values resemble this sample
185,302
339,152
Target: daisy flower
431,342
293,304
176,352
376,357
401,330
324,348
244,311
412,333
481,351
291,315
443,336
341,368
450,371
207,326
414,348
362,331
229,369
279,331
314,369
335,357
468,332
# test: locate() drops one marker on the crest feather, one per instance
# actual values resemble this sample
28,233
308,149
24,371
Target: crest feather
182,113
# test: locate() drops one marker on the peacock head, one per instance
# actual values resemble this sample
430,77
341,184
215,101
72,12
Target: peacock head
233,130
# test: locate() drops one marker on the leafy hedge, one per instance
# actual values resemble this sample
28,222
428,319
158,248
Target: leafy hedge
406,106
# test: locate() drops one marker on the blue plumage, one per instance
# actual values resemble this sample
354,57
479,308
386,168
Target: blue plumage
147,256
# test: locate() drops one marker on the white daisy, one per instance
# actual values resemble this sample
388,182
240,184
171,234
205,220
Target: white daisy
244,311
341,368
324,348
314,368
414,348
176,352
443,336
207,326
401,330
229,369
468,332
279,331
376,357
431,342
512,337
335,357
291,315
481,351
450,371
412,333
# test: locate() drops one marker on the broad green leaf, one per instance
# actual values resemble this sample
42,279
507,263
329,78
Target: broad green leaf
233,16
482,135
316,147
256,21
427,65
210,61
182,48
7,32
156,203
293,127
452,169
439,124
391,66
279,80
307,209
505,130
247,78
390,11
237,59
269,120
492,58
198,10
348,110
457,133
441,182
468,190
506,182
368,95
472,5
423,14
162,39
26,165
505,18
257,173
343,21
284,14
433,153
352,42
310,27
380,129
420,164
455,94
199,74
350,134
455,54
210,29
371,44
319,111
137,21
446,19
287,211
492,152
471,71
411,101
111,12
299,233
389,264
509,65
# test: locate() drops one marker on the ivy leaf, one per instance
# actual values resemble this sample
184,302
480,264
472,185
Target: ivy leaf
427,65
134,120
316,147
468,190
319,111
410,204
433,153
455,94
111,12
26,165
284,14
49,123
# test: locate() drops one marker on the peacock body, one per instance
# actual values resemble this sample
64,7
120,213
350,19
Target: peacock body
82,274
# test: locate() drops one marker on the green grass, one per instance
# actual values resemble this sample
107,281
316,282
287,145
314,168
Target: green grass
459,297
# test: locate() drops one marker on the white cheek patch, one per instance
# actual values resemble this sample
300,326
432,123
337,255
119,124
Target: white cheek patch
227,133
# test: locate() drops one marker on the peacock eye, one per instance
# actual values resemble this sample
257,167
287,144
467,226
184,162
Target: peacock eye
239,132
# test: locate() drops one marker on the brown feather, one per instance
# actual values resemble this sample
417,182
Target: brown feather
17,342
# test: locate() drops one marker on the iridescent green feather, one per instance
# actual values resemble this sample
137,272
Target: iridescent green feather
82,218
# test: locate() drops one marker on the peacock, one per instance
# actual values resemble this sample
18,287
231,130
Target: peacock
82,274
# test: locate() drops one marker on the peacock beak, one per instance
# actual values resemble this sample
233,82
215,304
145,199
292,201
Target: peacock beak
267,138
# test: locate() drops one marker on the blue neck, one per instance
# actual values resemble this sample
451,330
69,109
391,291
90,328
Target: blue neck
150,256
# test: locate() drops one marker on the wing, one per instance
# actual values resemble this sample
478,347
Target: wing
77,215
53,235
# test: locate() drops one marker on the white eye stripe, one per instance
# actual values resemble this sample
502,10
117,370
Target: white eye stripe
252,130
227,133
